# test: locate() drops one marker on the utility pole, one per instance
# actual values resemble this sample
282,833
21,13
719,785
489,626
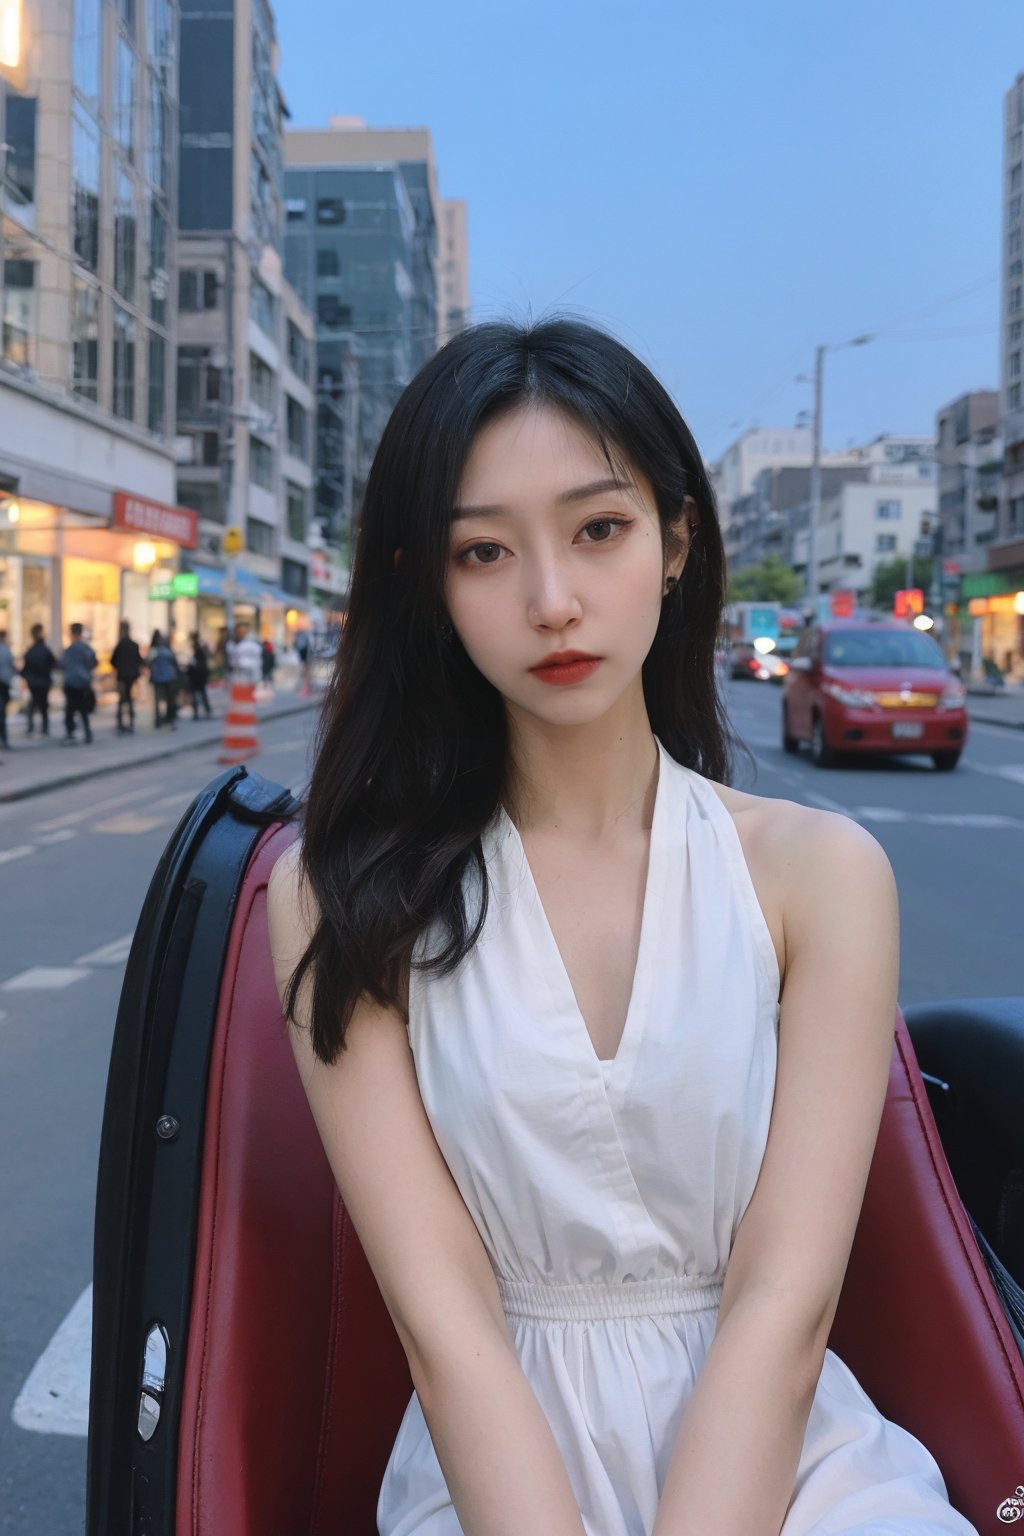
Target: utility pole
812,531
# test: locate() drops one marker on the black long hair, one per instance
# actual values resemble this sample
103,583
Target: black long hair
411,749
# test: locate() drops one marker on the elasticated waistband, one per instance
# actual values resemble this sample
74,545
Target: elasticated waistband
557,1302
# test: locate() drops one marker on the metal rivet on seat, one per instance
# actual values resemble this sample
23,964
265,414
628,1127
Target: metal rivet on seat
167,1128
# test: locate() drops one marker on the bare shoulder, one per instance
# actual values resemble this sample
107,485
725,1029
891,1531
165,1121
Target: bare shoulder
291,912
798,855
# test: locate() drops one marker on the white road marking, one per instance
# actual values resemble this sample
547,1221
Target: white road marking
55,1398
115,953
10,854
41,978
830,805
70,818
48,838
976,821
1012,771
128,824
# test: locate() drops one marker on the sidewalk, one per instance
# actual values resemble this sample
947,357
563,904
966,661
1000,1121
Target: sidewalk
997,706
34,765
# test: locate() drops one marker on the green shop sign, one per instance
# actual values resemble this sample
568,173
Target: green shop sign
185,584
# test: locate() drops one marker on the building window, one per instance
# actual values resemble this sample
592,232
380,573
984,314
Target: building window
331,314
198,382
19,313
19,164
1014,365
885,543
157,158
261,464
203,497
123,123
1015,331
1015,178
296,422
1013,397
1015,296
85,172
263,308
330,210
296,500
86,50
327,263
197,289
261,384
888,511
294,578
298,352
124,364
159,279
161,37
124,237
156,408
259,537
295,209
84,339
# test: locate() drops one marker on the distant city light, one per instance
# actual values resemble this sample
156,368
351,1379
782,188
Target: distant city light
144,556
763,644
10,33
923,621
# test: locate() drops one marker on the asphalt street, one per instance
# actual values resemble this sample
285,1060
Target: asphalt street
75,865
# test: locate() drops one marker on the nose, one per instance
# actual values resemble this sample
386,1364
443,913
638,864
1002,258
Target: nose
553,602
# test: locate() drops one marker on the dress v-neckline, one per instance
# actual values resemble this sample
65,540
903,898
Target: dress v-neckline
606,1065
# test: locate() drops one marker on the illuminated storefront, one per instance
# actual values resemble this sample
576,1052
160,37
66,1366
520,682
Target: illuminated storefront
59,567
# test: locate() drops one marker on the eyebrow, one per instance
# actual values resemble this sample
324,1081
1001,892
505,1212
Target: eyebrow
578,493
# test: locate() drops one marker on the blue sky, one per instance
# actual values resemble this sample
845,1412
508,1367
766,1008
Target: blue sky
723,185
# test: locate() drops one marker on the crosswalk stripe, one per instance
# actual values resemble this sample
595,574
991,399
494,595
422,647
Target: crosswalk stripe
10,854
55,1397
42,978
114,953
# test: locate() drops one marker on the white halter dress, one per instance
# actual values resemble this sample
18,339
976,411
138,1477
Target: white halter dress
608,1193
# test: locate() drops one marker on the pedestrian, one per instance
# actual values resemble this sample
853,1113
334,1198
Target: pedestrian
198,673
648,1016
37,668
165,676
303,651
78,664
7,673
268,661
126,660
245,655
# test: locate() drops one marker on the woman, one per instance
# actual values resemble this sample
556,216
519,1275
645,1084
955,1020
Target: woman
555,989
198,674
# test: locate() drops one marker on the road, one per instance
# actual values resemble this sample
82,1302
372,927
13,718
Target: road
75,866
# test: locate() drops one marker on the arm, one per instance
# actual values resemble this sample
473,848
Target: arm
738,1448
494,1444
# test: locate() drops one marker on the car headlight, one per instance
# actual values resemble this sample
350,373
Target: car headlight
858,698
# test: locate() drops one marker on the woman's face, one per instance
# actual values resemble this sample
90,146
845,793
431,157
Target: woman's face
550,551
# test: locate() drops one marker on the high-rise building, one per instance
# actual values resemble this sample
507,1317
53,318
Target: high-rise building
362,248
999,595
245,356
88,177
453,284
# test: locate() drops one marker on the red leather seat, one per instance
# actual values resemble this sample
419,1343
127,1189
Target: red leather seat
295,1381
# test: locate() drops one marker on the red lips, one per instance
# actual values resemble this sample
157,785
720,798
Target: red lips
562,658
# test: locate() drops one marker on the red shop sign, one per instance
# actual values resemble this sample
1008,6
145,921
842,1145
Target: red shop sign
178,524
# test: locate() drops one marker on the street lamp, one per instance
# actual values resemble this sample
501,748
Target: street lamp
812,531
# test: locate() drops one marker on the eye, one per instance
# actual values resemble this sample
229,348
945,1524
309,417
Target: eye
610,523
464,554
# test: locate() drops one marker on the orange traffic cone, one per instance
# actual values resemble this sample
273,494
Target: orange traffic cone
240,738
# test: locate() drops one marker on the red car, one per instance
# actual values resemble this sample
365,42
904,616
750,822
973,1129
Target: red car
881,686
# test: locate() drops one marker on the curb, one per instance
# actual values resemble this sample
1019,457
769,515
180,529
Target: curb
30,791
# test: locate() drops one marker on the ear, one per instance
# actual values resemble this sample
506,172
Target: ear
684,527
398,556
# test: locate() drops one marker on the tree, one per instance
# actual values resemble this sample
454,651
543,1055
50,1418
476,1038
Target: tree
768,582
890,577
